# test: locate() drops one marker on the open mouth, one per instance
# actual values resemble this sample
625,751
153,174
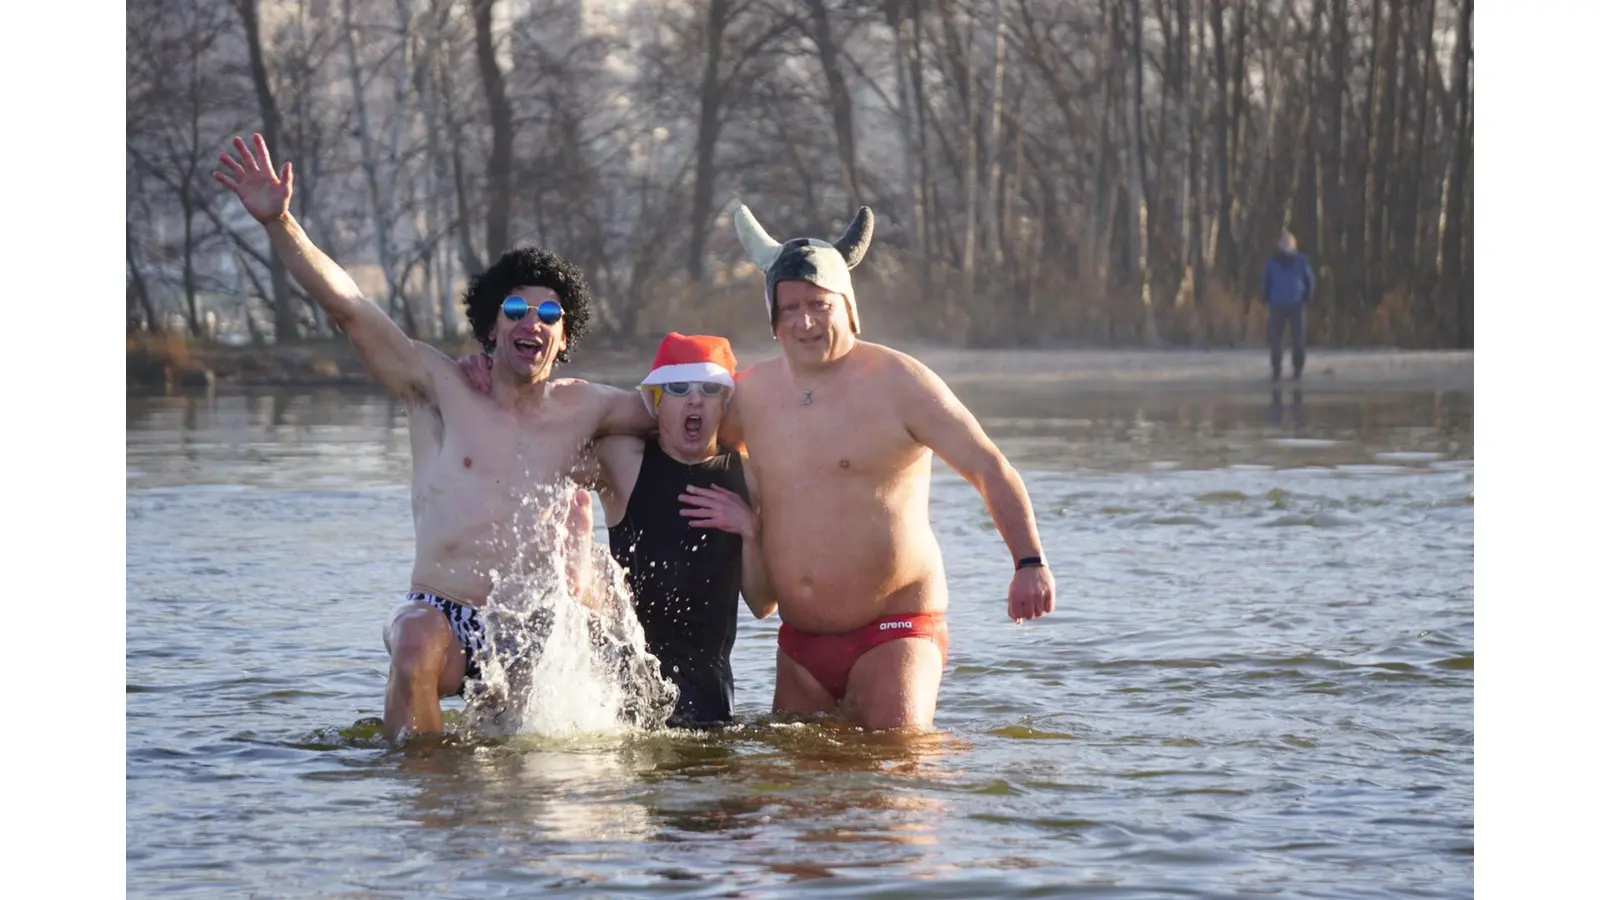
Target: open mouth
691,427
529,347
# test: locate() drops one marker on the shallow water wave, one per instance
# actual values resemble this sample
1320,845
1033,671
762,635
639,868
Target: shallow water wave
562,659
1232,698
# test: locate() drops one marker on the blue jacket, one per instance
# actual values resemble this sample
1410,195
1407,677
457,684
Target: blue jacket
1288,280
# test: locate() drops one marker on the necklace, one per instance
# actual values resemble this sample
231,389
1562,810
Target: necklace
805,392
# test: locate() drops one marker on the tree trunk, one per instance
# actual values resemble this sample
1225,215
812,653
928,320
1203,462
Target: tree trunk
1237,111
465,249
400,128
910,147
1196,83
244,273
138,291
1015,257
497,218
1380,154
969,178
925,207
435,123
1339,32
285,325
1189,159
1138,213
1303,148
369,164
838,98
1166,218
1274,64
705,144
1417,238
1099,242
191,306
996,104
1452,254
1225,252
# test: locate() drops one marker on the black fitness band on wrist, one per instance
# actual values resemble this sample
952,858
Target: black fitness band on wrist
1027,561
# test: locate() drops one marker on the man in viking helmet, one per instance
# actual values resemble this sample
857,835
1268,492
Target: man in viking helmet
840,434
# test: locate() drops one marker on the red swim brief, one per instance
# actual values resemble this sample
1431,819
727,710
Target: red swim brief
830,657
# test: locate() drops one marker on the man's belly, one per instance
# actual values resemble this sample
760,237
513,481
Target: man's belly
838,572
464,553
459,578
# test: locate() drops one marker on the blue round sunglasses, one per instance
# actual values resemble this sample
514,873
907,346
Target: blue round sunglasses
515,308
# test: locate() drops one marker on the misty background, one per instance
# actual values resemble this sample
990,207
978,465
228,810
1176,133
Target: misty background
1043,171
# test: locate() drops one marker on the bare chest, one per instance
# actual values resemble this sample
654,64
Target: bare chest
495,448
844,434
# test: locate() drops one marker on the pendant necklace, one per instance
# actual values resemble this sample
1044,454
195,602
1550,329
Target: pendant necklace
805,393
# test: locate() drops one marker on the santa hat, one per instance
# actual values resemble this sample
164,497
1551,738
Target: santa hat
689,357
825,264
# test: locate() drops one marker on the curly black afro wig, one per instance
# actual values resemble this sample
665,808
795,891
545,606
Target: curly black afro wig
533,267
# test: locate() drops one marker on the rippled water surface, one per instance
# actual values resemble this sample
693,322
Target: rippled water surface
1259,679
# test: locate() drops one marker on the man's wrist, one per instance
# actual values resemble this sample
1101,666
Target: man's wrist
1032,562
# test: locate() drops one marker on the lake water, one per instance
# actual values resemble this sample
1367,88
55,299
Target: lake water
1259,679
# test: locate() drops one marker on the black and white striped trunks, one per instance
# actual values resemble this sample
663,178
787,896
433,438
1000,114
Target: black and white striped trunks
464,624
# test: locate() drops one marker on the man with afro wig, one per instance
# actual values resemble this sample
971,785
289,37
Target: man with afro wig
481,463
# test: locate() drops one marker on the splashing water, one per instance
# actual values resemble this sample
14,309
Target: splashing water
564,653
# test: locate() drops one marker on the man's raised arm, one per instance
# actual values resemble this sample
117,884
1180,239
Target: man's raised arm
389,357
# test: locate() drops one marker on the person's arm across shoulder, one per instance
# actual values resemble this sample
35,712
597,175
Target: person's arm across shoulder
943,424
622,412
389,357
718,507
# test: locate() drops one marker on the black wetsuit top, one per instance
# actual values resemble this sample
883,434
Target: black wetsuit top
684,580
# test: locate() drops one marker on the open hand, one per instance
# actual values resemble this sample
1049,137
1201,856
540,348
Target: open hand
719,508
1033,594
478,367
264,194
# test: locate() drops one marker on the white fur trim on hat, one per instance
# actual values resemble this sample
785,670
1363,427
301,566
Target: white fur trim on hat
682,372
699,371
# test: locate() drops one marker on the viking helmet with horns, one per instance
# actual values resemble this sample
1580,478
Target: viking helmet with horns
825,264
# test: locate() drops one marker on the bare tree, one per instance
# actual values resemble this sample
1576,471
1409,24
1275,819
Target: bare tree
1454,255
1045,169
497,215
285,324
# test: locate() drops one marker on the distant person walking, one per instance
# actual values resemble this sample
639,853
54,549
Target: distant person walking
1286,287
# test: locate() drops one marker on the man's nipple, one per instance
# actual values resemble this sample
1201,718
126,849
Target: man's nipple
466,462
